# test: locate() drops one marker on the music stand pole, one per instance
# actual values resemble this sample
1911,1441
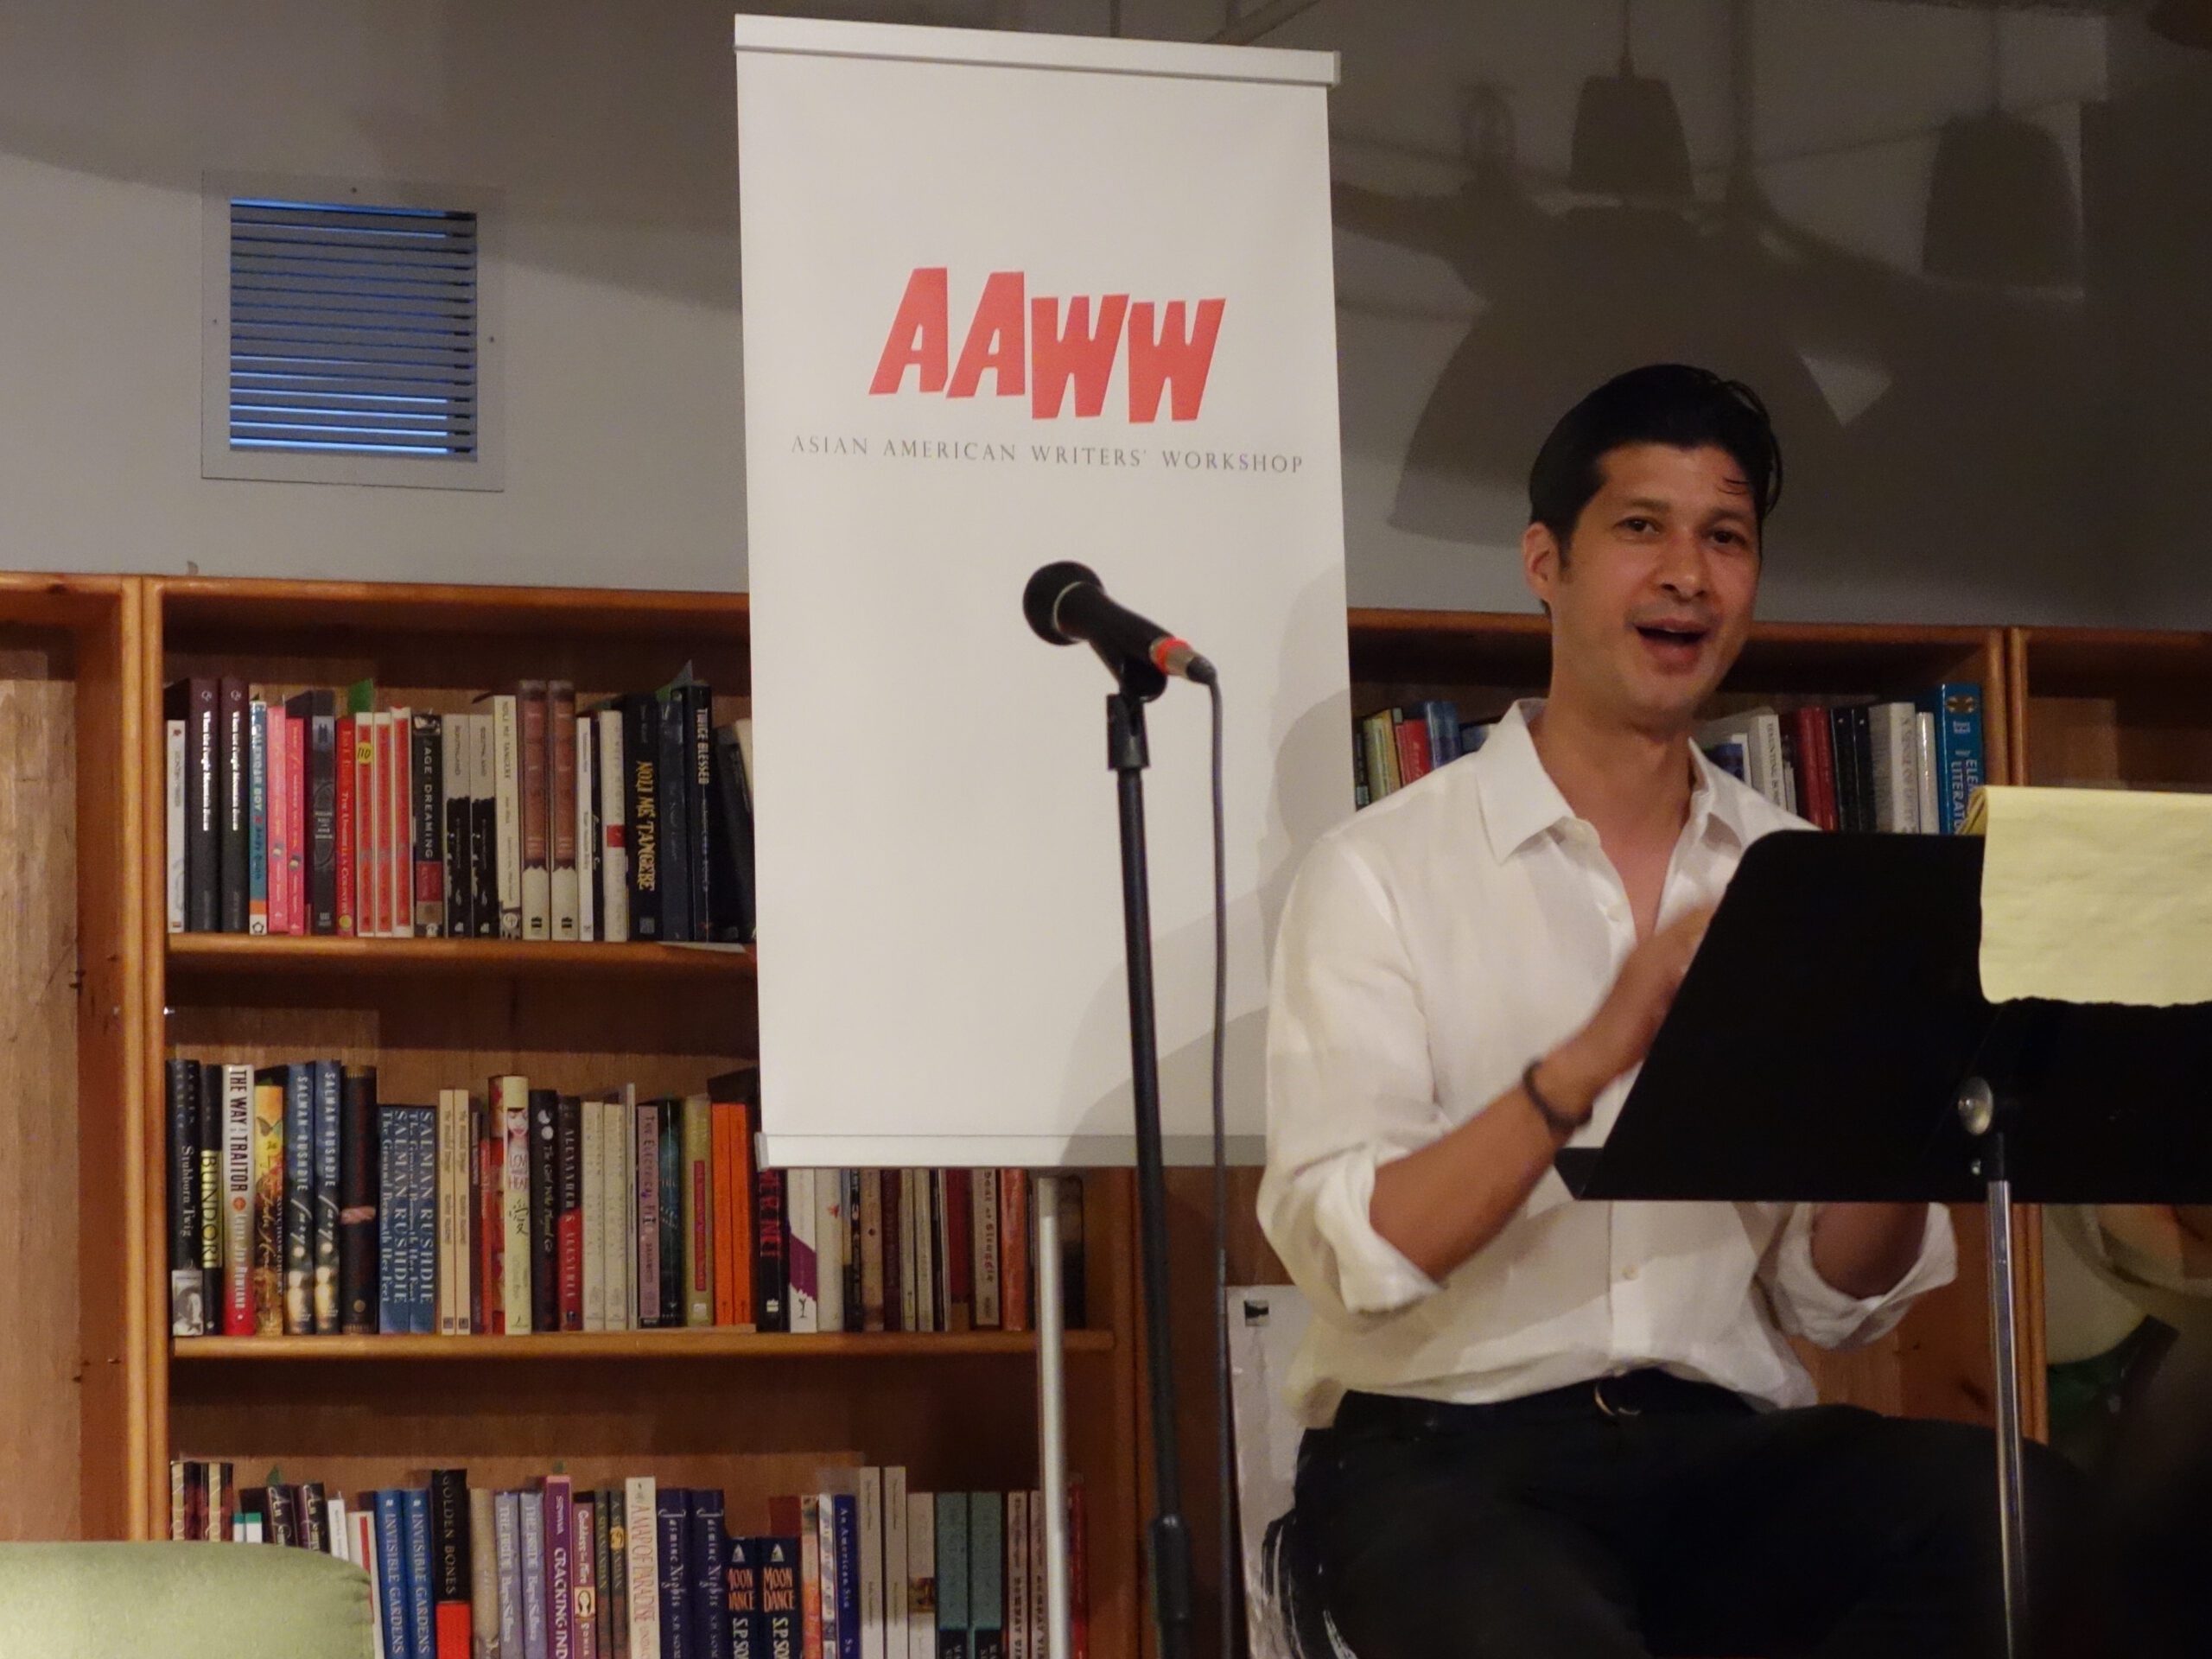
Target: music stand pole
1127,756
1979,1111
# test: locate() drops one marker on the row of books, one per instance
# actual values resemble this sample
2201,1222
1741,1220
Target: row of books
1894,766
644,1571
322,813
301,1204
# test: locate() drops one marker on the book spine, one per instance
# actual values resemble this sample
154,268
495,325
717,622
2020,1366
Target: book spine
800,1220
744,1252
428,777
235,828
698,781
345,786
484,913
483,1573
374,842
897,1613
844,1531
449,1214
614,780
535,764
1039,1646
957,1243
1925,771
422,1585
452,1589
670,1528
771,1256
709,1561
395,760
203,755
815,1608
640,1520
587,851
298,814
1014,1248
545,1211
618,1240
536,1614
855,1318
329,1191
921,1575
1957,708
510,1104
867,1554
315,711
593,1152
188,1287
506,1525
559,731
742,1598
671,1155
910,1256
698,1211
387,1284
673,796
723,1120
829,1233
568,1175
641,758
584,1573
560,1569
986,1571
735,790
487,1223
614,1578
952,1625
392,1565
985,1190
455,743
648,1207
507,784
274,1224
780,1632
173,830
275,910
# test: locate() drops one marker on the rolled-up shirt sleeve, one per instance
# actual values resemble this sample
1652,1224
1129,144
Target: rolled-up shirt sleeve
1350,1087
1806,1305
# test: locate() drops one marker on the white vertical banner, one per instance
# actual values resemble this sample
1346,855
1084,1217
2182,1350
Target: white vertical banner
1009,299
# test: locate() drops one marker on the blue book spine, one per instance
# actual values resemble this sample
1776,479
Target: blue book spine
986,1573
506,1530
257,843
536,1620
422,1631
390,1159
953,1575
671,1527
846,1509
777,1574
1959,765
709,1573
326,1077
422,1226
391,1572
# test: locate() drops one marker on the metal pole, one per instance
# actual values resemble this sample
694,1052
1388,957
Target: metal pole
1051,1421
2011,1492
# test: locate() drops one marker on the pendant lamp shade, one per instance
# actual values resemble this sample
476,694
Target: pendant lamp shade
1627,140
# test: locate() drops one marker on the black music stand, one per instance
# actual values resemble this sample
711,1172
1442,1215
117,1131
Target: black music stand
1831,1043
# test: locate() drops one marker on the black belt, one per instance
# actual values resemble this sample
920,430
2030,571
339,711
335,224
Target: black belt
1630,1394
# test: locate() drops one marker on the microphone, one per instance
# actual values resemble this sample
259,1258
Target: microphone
1066,604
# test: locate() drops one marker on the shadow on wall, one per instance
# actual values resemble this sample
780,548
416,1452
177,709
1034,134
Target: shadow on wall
1984,456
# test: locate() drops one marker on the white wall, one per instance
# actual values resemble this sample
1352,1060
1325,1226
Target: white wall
1958,463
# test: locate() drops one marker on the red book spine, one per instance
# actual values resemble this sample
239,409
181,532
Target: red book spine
744,1181
365,826
572,1269
492,1225
347,783
725,1123
1815,766
1413,747
296,856
1013,1250
387,777
960,1248
277,816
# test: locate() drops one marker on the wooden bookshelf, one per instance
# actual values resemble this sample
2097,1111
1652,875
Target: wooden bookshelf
754,1414
73,1442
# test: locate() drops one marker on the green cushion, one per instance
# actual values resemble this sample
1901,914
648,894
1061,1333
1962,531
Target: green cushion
180,1601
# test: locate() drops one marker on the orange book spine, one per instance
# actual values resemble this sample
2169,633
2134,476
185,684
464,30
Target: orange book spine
721,1182
1014,1248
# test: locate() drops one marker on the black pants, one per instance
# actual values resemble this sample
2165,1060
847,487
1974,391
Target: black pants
1688,1524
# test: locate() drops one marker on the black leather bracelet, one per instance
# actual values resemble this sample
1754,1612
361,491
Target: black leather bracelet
1561,1126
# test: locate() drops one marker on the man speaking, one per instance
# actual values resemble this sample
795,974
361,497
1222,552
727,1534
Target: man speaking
1541,1428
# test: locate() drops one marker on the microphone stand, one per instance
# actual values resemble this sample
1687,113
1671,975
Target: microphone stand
1127,757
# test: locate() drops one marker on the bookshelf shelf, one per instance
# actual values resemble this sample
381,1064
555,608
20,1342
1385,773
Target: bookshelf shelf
628,1344
238,953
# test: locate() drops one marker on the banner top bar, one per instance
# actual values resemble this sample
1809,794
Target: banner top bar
1012,49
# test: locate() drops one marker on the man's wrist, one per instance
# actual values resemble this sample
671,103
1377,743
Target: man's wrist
1571,1084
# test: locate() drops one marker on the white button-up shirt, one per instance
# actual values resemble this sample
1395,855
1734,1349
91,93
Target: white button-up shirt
1431,948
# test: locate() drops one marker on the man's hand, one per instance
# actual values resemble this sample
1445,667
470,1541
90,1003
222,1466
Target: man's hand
1620,1033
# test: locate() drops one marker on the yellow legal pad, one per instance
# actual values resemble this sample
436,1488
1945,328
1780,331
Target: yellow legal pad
2094,895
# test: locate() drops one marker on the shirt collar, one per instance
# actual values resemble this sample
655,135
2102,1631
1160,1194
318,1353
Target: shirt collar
1521,802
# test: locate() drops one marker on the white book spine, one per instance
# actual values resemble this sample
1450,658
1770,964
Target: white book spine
1897,792
628,1242
640,1499
921,1575
507,785
984,1212
1924,763
896,1612
1766,732
336,1529
830,1232
173,737
511,1106
364,1557
802,1222
871,1544
594,1150
614,831
587,872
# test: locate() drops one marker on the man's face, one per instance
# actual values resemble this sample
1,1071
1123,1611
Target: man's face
1652,598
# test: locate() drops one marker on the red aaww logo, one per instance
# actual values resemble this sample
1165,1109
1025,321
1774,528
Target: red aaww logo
1046,348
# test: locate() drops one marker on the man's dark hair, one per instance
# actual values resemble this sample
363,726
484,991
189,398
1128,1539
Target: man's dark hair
1673,403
